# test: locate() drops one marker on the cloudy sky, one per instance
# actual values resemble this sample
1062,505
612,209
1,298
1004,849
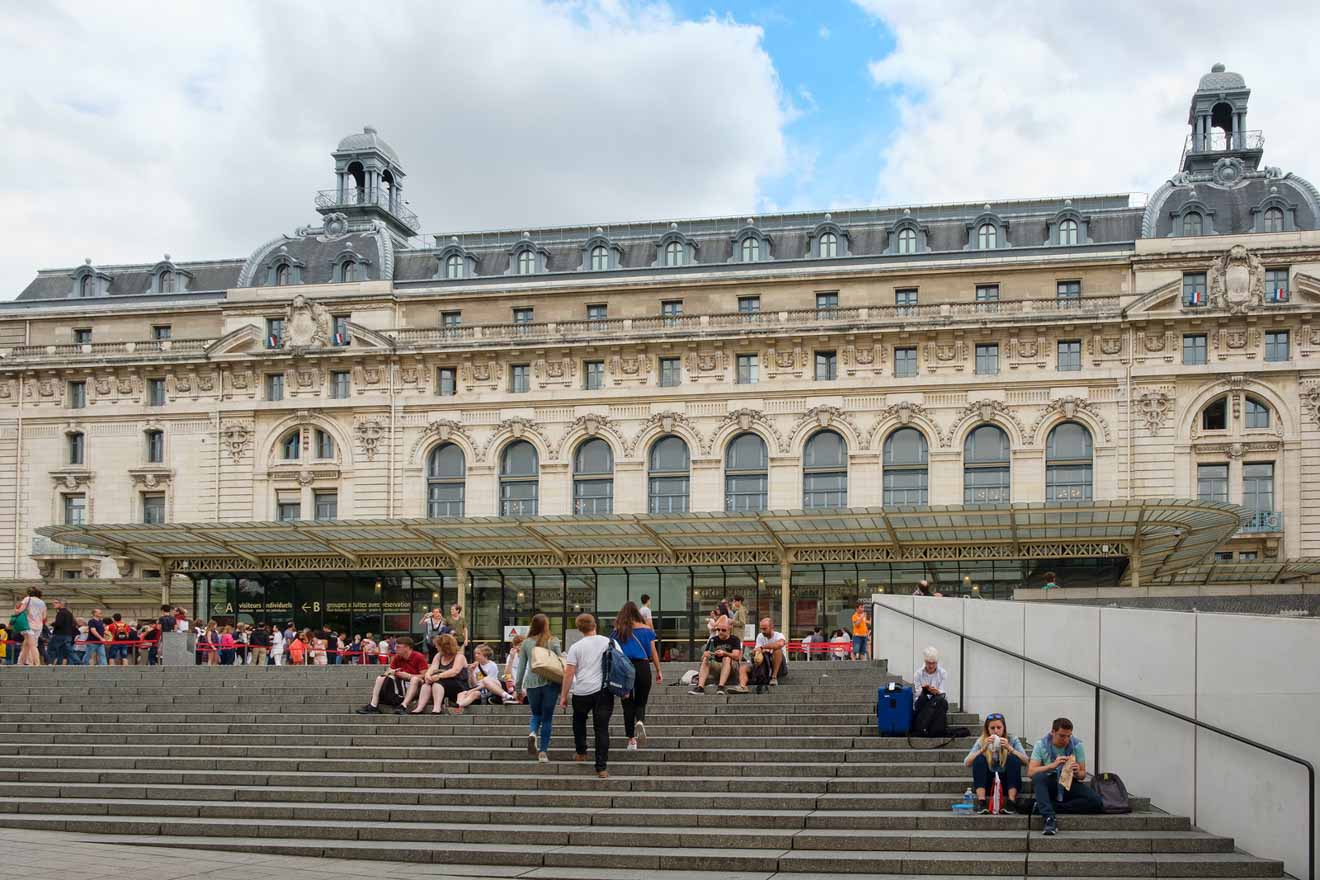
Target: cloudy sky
202,129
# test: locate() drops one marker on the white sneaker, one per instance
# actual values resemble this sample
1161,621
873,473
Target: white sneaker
641,732
632,745
543,758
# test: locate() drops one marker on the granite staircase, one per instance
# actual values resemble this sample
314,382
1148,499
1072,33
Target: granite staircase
792,783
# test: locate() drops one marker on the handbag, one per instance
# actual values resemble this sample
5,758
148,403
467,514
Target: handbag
19,622
547,664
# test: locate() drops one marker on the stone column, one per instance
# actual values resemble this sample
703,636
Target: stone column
785,592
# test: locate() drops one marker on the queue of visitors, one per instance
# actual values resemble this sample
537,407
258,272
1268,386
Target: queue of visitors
32,636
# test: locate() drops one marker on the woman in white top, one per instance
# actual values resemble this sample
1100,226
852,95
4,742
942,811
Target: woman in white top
484,675
277,645
843,645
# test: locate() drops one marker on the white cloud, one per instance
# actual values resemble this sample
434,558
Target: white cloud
1034,98
203,129
824,32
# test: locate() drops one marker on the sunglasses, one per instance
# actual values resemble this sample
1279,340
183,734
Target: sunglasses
994,716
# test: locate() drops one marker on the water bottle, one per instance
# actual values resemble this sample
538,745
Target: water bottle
969,799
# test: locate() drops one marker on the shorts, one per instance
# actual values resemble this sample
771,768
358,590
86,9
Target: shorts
31,634
119,652
859,644
717,665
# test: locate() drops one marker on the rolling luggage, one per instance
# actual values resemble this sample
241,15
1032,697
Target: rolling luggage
893,713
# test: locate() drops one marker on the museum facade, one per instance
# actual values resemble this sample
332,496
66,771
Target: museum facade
355,422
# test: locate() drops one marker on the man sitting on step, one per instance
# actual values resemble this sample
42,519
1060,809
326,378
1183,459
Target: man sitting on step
769,661
1058,775
721,656
405,665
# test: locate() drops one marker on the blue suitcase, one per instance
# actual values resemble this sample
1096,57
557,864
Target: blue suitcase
893,710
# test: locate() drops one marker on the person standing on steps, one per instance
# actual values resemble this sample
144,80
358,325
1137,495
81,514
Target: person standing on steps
541,693
996,752
433,626
645,609
637,639
738,617
34,611
584,680
861,632
63,631
1058,775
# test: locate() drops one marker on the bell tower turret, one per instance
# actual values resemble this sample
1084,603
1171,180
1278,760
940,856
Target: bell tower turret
1218,117
369,183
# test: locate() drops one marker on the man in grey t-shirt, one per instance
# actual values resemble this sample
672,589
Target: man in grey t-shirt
584,681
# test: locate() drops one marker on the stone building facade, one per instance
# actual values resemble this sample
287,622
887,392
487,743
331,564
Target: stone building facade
1069,349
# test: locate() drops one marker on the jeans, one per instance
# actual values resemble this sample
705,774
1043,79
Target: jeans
634,705
859,645
1010,774
600,706
97,650
542,701
1079,799
61,648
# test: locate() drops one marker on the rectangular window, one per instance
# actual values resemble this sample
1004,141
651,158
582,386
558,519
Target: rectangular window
446,381
77,448
445,498
1194,348
671,310
987,359
597,312
1070,354
520,378
1068,294
1212,482
339,384
72,574
987,297
160,331
155,392
593,374
153,508
669,494
1247,556
827,366
523,315
1258,485
905,362
746,369
326,504
77,395
274,332
75,509
82,335
449,324
905,298
827,304
749,305
1276,345
671,372
288,507
274,386
1193,289
1276,286
1223,556
155,447
341,335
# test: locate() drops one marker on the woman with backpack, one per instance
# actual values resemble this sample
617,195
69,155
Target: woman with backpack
995,752
637,639
541,693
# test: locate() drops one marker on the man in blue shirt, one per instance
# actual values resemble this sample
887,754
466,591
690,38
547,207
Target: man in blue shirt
1058,775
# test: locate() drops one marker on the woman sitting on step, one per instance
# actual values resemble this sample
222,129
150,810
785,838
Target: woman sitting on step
996,752
443,680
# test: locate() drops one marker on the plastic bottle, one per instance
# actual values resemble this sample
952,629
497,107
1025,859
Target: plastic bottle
968,798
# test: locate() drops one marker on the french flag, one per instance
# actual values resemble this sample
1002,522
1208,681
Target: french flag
341,339
1196,298
1280,294
272,341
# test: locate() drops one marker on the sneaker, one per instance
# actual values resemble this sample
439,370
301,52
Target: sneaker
367,710
1051,827
641,733
719,692
542,758
739,689
531,744
983,808
579,758
1008,807
399,710
632,745
774,682
698,692
603,774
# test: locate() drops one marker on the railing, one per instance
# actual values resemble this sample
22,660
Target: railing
1099,688
103,349
43,546
1218,141
351,197
1263,521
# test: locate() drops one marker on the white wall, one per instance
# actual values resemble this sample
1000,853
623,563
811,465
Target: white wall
1254,676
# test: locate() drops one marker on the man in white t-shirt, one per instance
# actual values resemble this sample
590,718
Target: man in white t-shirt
774,648
646,610
584,680
35,608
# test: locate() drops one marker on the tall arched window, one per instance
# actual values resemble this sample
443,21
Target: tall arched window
669,482
166,281
85,286
453,266
829,245
986,466
746,474
519,479
674,253
751,249
1273,220
907,240
526,262
1257,414
446,470
907,476
987,237
1068,232
291,448
348,271
593,478
1191,223
1068,467
325,444
825,471
281,274
600,258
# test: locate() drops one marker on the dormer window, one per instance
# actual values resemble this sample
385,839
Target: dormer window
829,245
526,262
167,281
1068,232
454,266
987,237
1191,223
674,254
348,271
282,275
751,250
749,244
907,240
86,286
1273,220
600,258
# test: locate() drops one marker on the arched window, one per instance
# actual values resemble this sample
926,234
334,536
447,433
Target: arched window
526,262
446,469
907,240
1273,220
674,253
751,249
348,271
593,478
987,237
829,245
1191,223
1068,232
1215,416
166,281
1258,414
668,476
518,479
600,258
986,466
825,471
453,266
1068,468
746,474
291,448
907,457
325,444
281,274
85,286
77,447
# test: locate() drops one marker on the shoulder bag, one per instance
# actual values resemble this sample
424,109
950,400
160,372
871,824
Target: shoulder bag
547,664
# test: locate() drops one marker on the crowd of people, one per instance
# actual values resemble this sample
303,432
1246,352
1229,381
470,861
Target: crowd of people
49,634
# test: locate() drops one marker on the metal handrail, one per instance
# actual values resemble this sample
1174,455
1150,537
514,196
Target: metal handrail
1100,688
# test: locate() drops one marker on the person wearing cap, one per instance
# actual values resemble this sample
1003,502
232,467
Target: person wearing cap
996,752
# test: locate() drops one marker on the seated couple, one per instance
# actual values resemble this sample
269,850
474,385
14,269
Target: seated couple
723,658
449,679
1057,769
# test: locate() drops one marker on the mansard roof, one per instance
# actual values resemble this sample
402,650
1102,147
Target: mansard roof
134,280
1232,193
